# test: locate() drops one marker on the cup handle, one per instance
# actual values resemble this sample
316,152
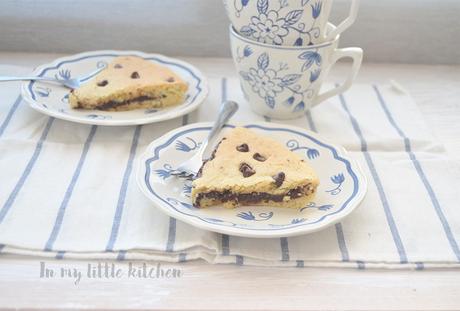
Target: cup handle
356,54
353,13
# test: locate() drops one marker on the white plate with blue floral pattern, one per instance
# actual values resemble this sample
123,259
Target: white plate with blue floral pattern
52,99
342,184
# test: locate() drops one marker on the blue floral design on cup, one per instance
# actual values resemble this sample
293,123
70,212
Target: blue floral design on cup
268,82
267,28
247,52
271,24
283,81
286,22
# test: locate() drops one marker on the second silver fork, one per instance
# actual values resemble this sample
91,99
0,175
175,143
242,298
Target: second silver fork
73,83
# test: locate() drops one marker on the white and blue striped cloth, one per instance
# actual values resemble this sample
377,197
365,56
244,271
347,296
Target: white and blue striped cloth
68,190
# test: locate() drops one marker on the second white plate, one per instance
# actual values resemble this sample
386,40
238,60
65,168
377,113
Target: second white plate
342,184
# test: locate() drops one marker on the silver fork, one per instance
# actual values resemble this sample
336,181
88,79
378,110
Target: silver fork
190,168
70,83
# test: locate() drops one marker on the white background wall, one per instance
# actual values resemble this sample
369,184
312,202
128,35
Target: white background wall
409,31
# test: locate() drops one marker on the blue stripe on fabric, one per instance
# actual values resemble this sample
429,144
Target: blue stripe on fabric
226,238
284,243
383,198
68,193
361,265
341,240
185,119
300,263
121,255
284,249
225,245
338,227
123,190
1,247
419,266
421,173
60,255
172,221
12,197
171,235
182,257
10,115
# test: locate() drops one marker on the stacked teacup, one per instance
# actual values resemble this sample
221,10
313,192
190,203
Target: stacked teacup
283,51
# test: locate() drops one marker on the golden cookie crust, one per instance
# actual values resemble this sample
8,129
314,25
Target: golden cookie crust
273,170
128,83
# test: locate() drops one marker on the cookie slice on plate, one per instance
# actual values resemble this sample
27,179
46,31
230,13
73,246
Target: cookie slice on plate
249,169
128,83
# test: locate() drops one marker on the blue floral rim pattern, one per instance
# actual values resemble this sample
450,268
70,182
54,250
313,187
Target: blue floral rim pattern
156,156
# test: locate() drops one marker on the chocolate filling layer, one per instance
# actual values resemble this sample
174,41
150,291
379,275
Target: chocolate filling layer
253,197
113,103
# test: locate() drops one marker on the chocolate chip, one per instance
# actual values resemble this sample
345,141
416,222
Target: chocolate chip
103,83
247,170
170,80
257,156
309,189
135,75
118,66
242,148
279,179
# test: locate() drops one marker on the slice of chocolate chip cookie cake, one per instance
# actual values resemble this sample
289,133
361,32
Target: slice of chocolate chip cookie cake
249,169
128,83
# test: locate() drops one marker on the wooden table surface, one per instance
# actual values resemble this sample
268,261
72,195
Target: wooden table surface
201,286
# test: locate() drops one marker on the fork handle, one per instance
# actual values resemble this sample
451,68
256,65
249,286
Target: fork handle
6,78
227,110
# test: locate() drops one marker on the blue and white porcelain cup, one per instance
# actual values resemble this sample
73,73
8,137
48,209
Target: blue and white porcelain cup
286,22
282,82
